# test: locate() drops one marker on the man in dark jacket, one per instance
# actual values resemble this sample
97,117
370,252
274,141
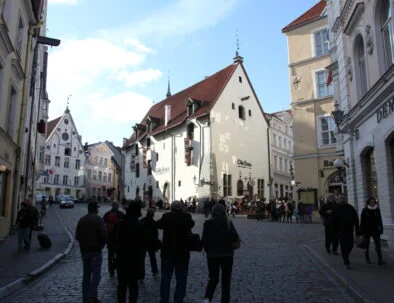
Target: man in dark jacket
112,217
325,212
151,239
24,221
175,254
218,237
345,221
92,236
128,243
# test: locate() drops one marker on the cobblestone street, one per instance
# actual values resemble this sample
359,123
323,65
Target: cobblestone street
272,265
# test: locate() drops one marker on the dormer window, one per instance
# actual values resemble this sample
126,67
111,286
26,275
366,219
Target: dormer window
192,106
190,131
241,112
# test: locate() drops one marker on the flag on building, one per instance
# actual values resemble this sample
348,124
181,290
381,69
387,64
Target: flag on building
329,78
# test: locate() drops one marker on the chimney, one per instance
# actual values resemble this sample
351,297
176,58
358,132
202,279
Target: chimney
167,114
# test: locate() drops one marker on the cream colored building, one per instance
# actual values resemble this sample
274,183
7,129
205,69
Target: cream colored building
312,103
19,30
363,73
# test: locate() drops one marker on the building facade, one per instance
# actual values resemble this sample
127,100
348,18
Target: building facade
207,141
312,103
103,171
363,73
281,154
64,159
20,52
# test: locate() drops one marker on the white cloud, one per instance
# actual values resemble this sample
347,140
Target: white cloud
124,107
72,2
138,45
140,78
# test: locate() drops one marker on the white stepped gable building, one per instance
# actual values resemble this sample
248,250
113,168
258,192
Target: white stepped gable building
64,159
207,141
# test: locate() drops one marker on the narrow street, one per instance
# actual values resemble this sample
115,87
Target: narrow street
271,266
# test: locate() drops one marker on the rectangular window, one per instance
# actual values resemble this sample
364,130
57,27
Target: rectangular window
149,167
322,42
105,161
57,161
280,164
89,174
95,160
101,160
67,151
276,162
105,176
77,164
76,181
274,138
137,170
109,177
41,155
56,179
46,179
227,189
100,176
326,129
66,162
95,175
322,89
65,180
286,166
47,159
12,111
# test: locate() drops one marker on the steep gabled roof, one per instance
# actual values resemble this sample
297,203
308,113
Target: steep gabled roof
207,91
311,15
51,125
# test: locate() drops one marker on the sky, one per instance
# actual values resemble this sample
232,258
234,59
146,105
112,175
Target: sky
115,57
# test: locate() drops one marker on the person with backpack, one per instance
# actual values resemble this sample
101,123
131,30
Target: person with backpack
151,238
110,218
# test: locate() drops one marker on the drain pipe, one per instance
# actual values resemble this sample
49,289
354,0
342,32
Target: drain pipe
173,167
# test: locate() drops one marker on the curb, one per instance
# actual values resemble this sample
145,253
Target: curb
21,282
356,294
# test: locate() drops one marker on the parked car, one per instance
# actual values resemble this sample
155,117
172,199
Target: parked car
66,203
64,196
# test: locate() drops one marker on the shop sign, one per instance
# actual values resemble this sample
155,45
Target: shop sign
243,163
162,170
386,110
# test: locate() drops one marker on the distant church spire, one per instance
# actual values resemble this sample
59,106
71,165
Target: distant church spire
168,89
237,58
68,102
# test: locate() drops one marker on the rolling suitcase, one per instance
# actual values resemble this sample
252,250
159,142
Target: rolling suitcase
44,241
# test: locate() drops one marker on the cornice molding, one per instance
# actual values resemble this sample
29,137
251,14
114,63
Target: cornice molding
356,14
17,69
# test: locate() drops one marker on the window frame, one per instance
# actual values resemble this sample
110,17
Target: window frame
388,46
331,132
323,43
329,90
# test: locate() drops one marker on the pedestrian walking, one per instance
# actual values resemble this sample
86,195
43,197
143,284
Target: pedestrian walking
218,237
92,237
175,255
43,207
128,243
151,238
50,200
345,220
372,226
35,215
110,218
331,238
24,221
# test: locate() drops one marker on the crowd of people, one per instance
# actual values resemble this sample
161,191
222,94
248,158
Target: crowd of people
129,238
341,224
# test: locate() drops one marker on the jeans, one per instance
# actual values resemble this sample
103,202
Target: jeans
23,238
331,237
215,264
111,259
91,274
127,280
153,262
347,241
181,270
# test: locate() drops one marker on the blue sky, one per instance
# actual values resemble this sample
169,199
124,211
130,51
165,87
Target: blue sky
115,56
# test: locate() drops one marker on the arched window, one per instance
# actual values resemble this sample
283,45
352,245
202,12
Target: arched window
241,112
385,24
369,173
361,66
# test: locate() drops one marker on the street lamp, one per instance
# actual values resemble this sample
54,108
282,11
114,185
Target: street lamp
338,116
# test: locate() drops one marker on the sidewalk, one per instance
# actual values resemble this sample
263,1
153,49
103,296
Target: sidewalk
18,269
366,282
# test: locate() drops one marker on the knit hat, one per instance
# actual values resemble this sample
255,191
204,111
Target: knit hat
218,211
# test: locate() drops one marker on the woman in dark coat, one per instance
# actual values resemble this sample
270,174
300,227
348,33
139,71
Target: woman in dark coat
128,244
372,226
218,237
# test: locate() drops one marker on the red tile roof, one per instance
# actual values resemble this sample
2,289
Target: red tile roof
51,125
310,15
207,91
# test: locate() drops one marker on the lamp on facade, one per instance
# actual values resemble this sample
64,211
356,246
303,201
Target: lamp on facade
338,115
3,168
340,163
291,171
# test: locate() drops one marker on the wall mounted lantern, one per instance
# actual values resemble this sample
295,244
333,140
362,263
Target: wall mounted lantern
338,116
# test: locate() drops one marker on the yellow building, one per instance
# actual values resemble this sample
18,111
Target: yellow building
312,103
